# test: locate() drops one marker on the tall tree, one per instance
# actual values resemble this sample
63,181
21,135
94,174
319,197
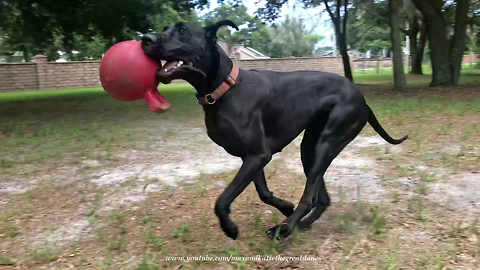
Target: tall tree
260,40
165,13
339,20
417,33
458,43
417,44
238,14
338,11
399,81
34,26
368,26
446,54
474,22
291,38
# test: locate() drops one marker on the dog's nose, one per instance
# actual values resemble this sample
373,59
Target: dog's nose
148,39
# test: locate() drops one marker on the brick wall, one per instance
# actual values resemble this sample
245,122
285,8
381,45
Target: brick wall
327,64
471,58
371,63
72,74
48,75
18,77
66,75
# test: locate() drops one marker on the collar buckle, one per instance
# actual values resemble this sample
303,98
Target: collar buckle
209,99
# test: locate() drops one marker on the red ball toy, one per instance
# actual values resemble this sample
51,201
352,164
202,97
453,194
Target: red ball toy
128,74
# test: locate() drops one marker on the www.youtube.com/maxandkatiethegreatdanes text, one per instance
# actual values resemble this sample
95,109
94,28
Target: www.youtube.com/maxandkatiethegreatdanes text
232,258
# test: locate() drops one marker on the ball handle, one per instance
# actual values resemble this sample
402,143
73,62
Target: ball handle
156,101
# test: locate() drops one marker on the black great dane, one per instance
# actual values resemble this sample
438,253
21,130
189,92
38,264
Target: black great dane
261,113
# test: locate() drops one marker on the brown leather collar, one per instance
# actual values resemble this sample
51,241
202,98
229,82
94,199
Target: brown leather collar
221,90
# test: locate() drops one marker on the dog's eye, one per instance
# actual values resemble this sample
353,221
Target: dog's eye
181,30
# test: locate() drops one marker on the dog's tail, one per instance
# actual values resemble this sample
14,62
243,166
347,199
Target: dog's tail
372,120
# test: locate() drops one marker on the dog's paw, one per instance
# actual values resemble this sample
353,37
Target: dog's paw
287,209
279,232
230,229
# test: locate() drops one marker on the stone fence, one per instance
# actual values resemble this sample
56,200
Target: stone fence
52,75
48,75
327,64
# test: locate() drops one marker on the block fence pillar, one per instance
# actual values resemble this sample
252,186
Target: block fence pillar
41,64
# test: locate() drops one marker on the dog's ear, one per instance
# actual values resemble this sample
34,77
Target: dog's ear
211,30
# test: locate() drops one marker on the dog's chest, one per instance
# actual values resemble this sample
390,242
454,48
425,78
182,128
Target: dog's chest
223,134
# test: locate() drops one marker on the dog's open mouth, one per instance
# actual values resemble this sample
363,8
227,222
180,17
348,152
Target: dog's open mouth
170,66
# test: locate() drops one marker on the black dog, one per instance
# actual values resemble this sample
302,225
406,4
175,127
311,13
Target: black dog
261,114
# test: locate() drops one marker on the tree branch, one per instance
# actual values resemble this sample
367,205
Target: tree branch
405,31
337,11
345,17
327,7
335,19
377,15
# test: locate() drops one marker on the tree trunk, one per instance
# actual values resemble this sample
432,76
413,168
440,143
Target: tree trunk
413,34
473,43
26,56
229,49
341,35
399,81
439,45
418,60
459,40
342,46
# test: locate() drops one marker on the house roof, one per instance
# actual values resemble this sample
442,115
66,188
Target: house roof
247,50
253,53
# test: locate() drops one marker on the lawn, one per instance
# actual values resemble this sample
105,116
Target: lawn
89,182
77,123
470,74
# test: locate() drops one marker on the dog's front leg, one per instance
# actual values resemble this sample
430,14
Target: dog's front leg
250,167
267,197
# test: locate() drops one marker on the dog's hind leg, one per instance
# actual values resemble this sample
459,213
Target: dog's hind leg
322,200
342,126
267,196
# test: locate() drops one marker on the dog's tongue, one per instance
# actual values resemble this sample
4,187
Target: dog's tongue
156,101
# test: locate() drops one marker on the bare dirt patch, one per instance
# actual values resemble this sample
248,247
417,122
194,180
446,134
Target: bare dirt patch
351,176
459,191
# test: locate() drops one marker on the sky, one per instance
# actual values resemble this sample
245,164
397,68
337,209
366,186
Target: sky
314,18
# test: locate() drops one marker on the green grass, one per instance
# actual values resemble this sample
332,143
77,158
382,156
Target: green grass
388,107
38,126
116,245
44,254
4,260
154,241
48,94
10,231
182,232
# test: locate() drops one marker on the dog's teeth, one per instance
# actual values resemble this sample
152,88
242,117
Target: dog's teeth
180,63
